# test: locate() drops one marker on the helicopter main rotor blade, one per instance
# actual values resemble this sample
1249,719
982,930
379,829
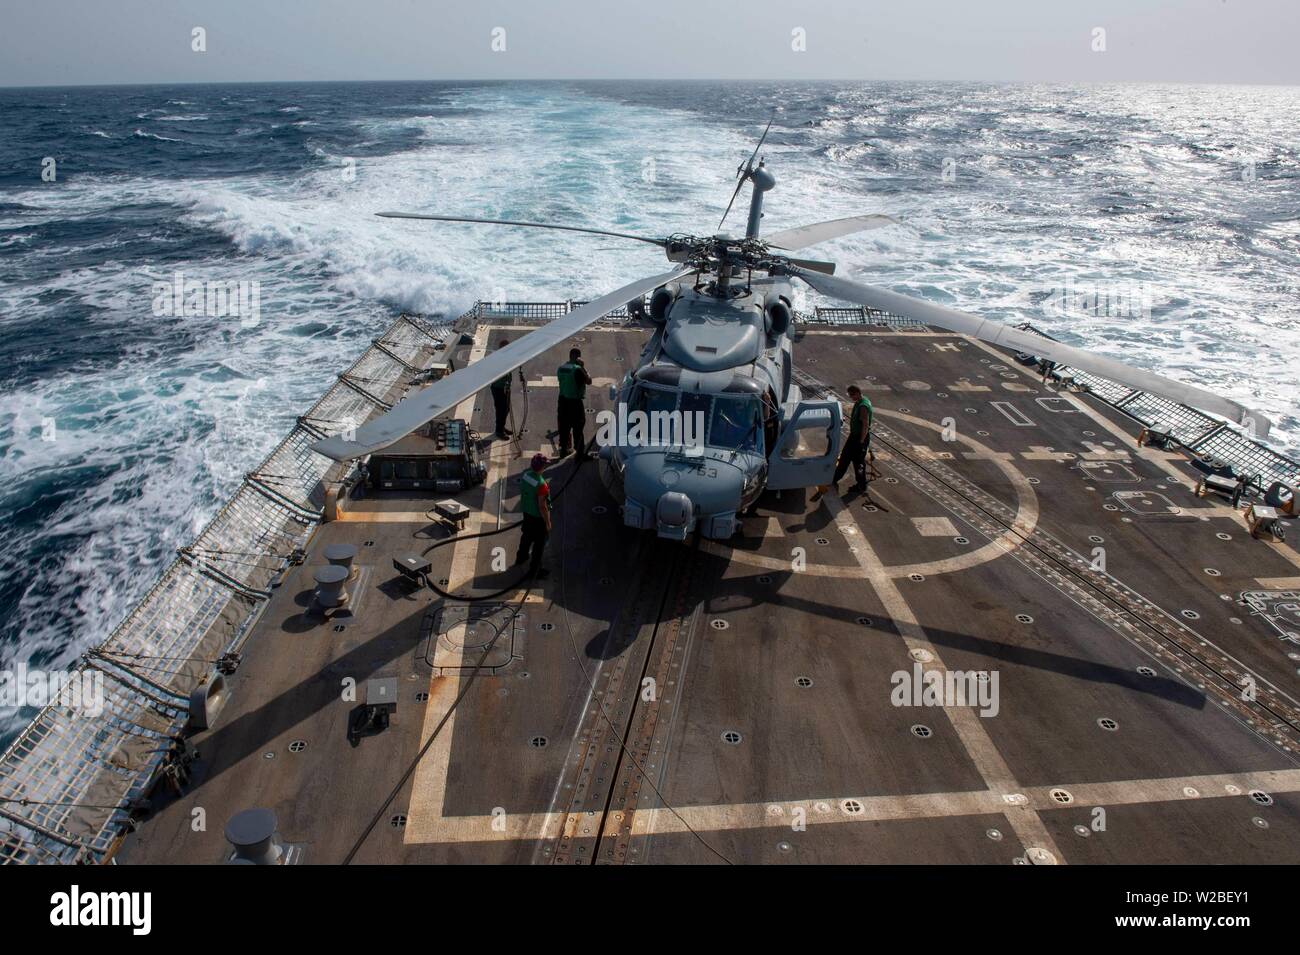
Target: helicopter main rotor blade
806,235
531,225
996,333
748,168
444,394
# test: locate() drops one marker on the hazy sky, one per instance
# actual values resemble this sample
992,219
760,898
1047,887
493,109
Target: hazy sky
52,42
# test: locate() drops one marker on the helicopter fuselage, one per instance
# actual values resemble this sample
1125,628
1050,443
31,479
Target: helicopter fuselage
708,418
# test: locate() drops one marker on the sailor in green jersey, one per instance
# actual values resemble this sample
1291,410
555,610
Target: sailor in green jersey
501,399
857,443
535,502
572,411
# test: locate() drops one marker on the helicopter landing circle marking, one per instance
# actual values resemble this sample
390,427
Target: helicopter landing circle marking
1023,526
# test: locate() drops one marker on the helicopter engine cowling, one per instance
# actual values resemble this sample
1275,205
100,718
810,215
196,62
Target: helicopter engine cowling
777,316
661,301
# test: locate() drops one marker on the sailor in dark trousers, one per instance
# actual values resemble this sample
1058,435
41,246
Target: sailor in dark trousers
572,410
856,444
501,400
535,502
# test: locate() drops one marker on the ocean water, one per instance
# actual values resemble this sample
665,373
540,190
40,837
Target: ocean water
123,430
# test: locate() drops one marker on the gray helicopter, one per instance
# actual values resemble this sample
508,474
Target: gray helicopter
711,416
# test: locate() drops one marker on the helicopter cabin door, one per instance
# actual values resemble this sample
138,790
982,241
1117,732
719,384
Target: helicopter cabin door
807,447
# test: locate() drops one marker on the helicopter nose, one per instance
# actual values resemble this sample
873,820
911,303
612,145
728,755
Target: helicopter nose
675,498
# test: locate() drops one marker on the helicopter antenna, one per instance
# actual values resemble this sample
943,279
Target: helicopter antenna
746,171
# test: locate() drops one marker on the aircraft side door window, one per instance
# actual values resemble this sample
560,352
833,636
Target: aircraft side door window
807,447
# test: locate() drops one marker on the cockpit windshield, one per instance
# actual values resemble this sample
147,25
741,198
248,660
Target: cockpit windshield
733,422
736,422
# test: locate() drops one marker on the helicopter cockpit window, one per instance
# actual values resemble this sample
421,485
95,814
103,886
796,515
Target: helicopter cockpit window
650,400
695,416
806,438
658,405
736,422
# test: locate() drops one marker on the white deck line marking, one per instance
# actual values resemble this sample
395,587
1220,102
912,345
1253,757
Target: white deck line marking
1164,460
426,821
965,720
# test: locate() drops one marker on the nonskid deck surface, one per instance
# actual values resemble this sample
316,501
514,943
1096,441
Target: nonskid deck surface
653,702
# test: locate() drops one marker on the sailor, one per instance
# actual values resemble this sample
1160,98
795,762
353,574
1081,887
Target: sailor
501,400
572,412
535,502
856,444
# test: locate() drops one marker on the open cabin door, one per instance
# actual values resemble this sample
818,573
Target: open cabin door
807,447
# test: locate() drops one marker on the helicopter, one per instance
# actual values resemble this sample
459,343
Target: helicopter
711,417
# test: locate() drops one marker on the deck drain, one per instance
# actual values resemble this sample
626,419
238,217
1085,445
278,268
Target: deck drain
803,681
368,544
972,411
994,834
1146,671
719,624
1096,538
422,697
850,807
865,621
823,540
961,540
1024,618
1223,537
1191,792
1260,821
783,847
1108,724
870,508
398,822
598,509
339,628
732,737
606,581
1062,796
546,627
1212,572
921,655
1110,507
764,579
983,434
891,480
921,731
1261,797
917,577
1034,480
538,742
268,755
297,746
1082,831
1191,615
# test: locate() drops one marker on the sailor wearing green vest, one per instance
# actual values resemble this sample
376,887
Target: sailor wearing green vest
535,502
856,444
501,399
572,411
